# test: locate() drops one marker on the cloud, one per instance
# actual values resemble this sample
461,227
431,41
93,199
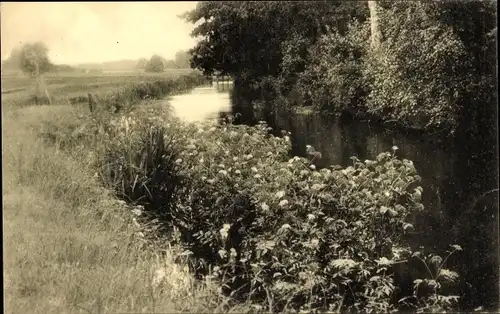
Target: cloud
92,32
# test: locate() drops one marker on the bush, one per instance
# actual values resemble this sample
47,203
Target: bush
334,79
419,84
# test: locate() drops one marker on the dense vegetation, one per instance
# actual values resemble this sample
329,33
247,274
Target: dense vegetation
273,231
429,60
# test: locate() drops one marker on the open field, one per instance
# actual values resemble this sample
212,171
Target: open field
64,86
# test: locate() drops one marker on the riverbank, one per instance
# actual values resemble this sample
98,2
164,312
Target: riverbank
209,181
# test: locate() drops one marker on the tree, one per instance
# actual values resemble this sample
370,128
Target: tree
375,33
250,40
141,64
182,59
155,64
34,60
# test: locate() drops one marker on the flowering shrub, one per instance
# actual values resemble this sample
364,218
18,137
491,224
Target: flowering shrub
274,230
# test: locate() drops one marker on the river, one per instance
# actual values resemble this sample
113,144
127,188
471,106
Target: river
457,174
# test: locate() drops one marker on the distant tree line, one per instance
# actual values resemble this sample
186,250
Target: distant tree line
158,64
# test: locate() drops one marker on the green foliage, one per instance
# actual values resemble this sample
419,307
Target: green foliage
155,64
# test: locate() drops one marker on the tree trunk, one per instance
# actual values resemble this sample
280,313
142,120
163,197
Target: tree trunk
375,31
40,83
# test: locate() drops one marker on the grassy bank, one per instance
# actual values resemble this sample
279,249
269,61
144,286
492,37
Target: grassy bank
69,246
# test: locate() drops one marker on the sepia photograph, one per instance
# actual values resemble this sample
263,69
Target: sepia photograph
250,157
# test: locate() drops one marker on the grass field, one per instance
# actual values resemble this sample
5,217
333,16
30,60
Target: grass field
69,245
64,86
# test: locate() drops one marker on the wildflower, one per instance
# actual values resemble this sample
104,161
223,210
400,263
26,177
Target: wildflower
285,227
237,171
224,231
235,158
248,157
417,195
223,172
254,169
448,275
395,148
383,261
313,167
178,161
280,194
137,211
233,252
221,166
264,206
310,217
283,203
315,243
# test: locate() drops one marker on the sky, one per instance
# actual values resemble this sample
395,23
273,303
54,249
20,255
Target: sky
81,32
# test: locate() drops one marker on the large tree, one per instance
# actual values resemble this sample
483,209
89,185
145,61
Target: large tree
254,39
155,64
33,59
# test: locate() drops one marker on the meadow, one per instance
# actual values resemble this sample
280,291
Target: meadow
63,87
137,211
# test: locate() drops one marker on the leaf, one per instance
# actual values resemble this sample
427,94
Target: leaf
375,278
343,263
